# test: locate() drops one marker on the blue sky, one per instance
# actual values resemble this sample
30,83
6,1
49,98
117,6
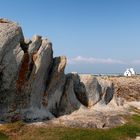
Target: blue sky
97,36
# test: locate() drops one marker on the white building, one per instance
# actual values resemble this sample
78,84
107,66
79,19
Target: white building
129,72
132,71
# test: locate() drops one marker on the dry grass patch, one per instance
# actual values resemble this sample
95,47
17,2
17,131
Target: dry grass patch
20,131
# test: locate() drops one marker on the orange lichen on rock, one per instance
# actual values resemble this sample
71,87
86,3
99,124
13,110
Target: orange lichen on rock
23,72
34,56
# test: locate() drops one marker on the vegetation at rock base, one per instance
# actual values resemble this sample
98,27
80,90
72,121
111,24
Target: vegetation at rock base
21,131
3,136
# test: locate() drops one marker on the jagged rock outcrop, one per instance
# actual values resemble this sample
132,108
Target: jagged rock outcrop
107,88
93,89
55,85
34,86
68,102
11,54
80,89
25,68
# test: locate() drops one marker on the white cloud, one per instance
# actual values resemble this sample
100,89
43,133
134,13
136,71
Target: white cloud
92,60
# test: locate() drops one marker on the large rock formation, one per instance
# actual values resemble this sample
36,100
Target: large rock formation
34,86
55,85
68,102
11,55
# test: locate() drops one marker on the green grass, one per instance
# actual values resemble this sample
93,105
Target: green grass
3,136
129,130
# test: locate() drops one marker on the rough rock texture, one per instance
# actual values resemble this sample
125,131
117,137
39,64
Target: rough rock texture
107,90
34,86
25,68
38,78
10,58
92,118
93,89
130,87
55,85
68,102
80,90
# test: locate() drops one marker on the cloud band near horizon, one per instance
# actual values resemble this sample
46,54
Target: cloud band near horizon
93,60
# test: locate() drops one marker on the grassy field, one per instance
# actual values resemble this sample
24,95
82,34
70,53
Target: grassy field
20,131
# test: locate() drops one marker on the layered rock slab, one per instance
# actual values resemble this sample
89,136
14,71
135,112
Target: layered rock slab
55,85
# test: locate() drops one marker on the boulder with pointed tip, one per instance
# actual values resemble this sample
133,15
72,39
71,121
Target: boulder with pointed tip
55,85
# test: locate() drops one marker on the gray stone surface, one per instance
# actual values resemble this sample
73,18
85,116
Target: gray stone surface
11,54
93,89
68,102
35,44
107,87
55,85
42,65
80,90
35,86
